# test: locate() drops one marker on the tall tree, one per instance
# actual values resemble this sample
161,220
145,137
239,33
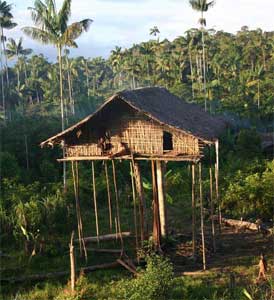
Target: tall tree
16,50
5,23
52,28
202,6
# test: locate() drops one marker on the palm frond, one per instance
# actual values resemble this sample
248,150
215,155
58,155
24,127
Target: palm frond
75,30
26,52
64,15
39,35
10,54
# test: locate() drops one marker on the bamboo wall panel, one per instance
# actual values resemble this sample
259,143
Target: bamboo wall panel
139,135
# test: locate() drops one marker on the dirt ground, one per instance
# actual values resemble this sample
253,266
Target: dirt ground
237,253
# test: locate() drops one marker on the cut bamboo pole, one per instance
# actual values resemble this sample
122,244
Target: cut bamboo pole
202,216
72,263
134,205
76,204
161,198
109,197
75,175
156,221
217,185
95,201
141,198
79,210
193,205
212,210
117,204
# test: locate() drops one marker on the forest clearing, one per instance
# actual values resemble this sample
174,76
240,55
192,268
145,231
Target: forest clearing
145,174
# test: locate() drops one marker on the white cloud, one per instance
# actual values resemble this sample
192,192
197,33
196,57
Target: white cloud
124,22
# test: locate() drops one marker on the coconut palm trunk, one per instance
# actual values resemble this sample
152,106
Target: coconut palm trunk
59,47
204,63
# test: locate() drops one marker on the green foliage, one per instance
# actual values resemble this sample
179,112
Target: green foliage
9,165
248,143
251,194
155,282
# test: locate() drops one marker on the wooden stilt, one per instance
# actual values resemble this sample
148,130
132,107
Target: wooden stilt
141,198
202,216
217,185
193,205
79,211
134,206
212,210
76,204
72,263
161,198
75,175
95,201
109,197
156,219
117,204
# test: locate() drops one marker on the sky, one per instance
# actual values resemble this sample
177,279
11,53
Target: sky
125,22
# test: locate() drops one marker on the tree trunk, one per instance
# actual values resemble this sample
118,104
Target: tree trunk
62,110
193,204
156,220
141,198
161,197
72,263
202,216
191,73
27,151
204,65
212,209
2,78
217,185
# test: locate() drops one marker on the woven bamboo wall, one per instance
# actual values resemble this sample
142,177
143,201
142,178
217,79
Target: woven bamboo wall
83,150
140,135
185,144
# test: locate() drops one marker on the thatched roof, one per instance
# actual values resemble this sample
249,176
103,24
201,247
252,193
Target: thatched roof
163,107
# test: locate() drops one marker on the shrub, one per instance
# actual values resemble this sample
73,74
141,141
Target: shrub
154,282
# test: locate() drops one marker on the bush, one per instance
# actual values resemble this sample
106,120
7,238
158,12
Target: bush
251,194
155,282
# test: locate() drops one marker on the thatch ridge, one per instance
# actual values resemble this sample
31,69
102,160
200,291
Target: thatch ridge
162,106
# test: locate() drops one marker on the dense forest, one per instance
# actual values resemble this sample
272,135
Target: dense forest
231,75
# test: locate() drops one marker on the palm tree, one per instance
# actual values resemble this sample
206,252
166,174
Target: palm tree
16,50
154,31
5,23
52,28
202,6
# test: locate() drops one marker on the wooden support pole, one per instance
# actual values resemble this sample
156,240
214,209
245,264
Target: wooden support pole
72,263
75,175
141,198
134,205
109,197
161,198
95,201
193,206
212,210
202,216
117,205
217,185
156,219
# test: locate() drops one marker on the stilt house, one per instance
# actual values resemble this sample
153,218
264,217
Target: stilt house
142,124
146,123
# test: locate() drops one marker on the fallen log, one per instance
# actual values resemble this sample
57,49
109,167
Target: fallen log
243,225
113,251
38,277
106,237
127,265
